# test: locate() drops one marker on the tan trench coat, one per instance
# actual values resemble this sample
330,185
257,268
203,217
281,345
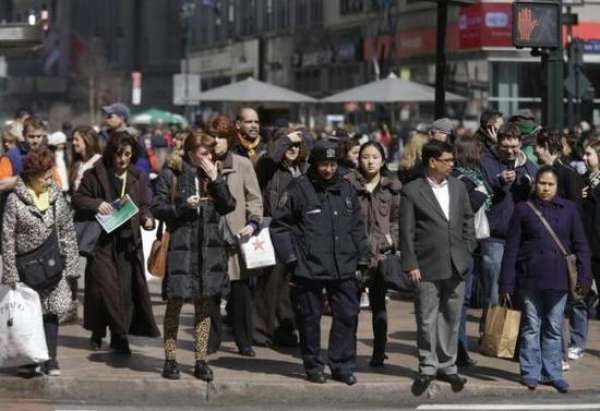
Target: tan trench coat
243,185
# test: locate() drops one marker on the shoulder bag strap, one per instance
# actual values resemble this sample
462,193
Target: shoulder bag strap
173,188
548,228
56,224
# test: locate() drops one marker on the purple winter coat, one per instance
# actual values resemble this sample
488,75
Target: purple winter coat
532,260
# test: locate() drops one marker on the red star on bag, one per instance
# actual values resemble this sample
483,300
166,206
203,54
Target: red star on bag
258,244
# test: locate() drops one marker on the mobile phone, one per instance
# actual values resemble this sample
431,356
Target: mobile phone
511,165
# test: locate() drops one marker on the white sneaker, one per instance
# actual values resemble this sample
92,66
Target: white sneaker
565,366
575,353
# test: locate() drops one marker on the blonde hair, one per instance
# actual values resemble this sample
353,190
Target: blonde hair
8,136
412,150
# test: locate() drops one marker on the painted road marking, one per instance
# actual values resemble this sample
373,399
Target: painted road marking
485,407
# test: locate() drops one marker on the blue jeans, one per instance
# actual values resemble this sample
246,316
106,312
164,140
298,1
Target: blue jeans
540,351
492,250
578,320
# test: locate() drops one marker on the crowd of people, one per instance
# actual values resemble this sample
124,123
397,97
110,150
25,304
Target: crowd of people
513,207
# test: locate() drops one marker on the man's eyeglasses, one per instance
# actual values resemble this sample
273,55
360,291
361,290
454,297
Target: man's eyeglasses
446,160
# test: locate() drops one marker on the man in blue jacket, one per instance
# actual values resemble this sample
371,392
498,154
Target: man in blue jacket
321,213
510,175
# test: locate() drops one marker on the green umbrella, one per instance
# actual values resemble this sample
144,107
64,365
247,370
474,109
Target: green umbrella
155,116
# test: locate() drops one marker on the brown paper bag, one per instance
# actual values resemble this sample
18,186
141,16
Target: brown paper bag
501,332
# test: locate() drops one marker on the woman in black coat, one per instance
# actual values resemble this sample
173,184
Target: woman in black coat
286,160
196,260
116,292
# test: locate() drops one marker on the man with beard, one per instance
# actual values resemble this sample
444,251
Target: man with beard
249,142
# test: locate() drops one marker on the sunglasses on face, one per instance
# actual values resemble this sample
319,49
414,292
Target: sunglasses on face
297,145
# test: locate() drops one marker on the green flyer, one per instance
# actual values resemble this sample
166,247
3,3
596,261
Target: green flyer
123,209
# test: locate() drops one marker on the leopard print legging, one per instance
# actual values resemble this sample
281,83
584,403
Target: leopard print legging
202,307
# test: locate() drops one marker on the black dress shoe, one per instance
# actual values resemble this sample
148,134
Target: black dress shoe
466,362
377,360
203,372
348,379
456,381
171,370
120,345
247,352
95,343
421,383
316,377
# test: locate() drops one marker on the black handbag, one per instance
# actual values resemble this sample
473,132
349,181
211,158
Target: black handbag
88,233
393,275
42,268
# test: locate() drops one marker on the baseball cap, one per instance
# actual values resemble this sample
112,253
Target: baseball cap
118,109
56,138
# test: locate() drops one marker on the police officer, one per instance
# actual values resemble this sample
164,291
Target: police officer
320,214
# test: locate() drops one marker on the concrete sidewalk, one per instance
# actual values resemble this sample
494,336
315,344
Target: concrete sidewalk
275,375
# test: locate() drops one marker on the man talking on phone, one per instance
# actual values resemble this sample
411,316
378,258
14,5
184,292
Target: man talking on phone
510,175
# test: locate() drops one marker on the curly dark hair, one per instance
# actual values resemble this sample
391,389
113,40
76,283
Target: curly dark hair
115,144
36,163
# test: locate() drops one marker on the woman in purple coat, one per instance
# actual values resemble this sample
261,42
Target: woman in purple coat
534,265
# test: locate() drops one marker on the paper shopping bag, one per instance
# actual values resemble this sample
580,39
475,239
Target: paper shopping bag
258,250
501,332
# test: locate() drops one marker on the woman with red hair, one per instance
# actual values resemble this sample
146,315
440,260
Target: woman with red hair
37,215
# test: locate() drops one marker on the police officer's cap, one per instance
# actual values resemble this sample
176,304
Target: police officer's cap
322,151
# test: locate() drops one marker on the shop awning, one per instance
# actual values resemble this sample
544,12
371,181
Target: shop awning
251,90
390,90
155,116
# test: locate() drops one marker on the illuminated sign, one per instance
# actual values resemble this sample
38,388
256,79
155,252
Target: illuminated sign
537,24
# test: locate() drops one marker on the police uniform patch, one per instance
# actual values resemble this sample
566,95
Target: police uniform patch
330,154
349,203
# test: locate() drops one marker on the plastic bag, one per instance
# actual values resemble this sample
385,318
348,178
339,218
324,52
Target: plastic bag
22,338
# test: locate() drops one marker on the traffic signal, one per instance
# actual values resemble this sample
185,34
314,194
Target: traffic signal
537,24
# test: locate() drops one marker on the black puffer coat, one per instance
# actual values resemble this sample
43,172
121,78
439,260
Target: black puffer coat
327,230
197,260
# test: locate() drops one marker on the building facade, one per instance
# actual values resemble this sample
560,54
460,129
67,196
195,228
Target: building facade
90,51
321,47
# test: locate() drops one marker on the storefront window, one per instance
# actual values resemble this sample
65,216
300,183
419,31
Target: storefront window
351,7
516,85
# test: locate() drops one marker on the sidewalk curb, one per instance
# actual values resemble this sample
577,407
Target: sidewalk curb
190,391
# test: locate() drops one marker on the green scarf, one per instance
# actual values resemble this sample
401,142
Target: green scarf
476,177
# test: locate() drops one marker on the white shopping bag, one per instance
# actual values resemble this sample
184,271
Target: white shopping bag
258,250
22,338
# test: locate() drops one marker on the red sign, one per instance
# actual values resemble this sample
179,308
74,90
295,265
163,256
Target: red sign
351,107
485,25
479,25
